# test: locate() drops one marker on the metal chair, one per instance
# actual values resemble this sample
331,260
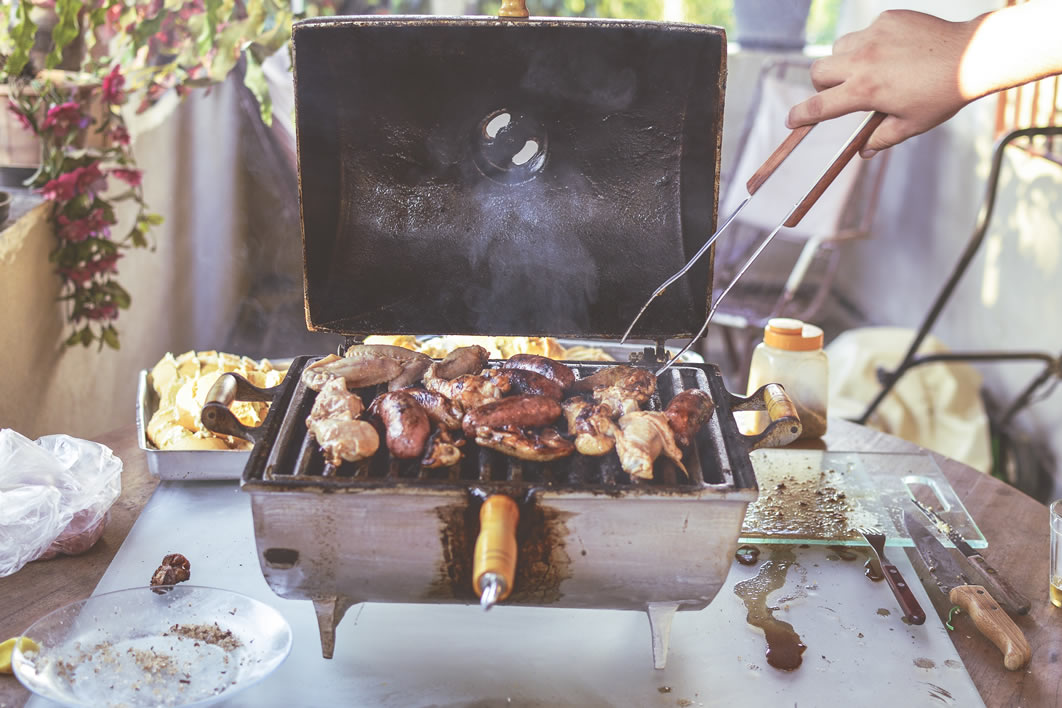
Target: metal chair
793,280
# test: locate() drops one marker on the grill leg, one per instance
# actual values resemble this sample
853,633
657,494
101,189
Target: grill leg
330,610
660,616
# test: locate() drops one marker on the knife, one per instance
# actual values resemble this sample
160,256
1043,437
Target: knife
992,621
1008,597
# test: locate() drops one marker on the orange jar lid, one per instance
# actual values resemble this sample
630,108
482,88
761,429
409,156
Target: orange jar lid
792,335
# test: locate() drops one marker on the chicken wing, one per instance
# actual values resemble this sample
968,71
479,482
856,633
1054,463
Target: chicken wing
643,436
349,440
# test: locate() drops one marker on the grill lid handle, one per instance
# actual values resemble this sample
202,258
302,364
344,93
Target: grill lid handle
513,9
785,425
230,387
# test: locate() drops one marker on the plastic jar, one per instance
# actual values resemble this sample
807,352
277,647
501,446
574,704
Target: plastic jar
791,355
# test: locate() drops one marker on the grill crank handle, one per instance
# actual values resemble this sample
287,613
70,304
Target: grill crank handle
231,387
784,426
840,160
755,182
494,557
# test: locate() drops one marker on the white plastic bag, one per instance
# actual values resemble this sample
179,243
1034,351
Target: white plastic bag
54,496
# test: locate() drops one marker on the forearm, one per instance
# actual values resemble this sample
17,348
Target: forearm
1012,46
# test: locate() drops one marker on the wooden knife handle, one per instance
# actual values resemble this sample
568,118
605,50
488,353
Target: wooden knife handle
1001,589
777,157
994,623
911,609
843,158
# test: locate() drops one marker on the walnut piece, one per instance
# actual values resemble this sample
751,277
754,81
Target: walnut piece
175,569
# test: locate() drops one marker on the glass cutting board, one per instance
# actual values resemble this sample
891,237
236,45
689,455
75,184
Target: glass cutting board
813,496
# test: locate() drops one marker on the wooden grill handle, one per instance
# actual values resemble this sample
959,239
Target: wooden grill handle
495,550
839,163
513,8
785,425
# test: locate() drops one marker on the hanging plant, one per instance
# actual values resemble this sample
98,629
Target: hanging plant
84,185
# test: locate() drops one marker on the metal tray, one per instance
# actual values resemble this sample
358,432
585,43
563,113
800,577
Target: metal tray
203,465
181,465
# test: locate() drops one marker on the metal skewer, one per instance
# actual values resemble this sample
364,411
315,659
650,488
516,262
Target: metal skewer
844,155
755,182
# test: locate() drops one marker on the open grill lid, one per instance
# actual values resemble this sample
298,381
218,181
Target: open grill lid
484,176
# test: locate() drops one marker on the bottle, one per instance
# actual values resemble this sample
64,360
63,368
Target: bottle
791,355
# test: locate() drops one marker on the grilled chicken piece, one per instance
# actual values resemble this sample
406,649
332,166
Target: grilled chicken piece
461,361
349,440
642,437
413,364
526,444
405,423
336,402
469,391
562,374
592,426
440,409
358,373
622,388
443,449
687,412
512,412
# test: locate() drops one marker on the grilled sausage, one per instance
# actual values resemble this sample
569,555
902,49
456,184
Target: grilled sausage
552,370
531,383
687,412
406,424
515,411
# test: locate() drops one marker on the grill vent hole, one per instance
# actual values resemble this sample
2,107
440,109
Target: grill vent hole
281,558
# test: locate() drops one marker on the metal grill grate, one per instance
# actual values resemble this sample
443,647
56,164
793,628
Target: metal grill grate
296,458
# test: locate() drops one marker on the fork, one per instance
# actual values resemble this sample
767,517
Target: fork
912,610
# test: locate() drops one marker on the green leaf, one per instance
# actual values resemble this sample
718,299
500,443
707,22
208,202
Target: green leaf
110,337
136,237
74,338
86,336
118,294
153,219
23,34
255,80
212,17
66,30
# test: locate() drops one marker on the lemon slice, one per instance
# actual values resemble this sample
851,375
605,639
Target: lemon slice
8,648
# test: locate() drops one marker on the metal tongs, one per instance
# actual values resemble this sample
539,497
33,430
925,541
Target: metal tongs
840,160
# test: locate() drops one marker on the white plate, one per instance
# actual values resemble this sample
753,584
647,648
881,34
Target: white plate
186,645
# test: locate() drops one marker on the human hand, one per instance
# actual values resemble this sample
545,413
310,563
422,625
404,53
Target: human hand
905,64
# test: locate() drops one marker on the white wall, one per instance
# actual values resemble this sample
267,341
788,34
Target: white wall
184,293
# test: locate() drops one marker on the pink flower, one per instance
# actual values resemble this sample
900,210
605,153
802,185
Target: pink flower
63,118
13,107
94,224
119,134
106,311
79,276
131,177
113,83
81,180
105,264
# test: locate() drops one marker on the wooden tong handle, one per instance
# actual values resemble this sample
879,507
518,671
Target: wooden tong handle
777,157
847,153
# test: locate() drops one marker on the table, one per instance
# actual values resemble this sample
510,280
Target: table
1014,524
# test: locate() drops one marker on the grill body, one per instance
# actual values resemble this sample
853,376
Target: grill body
384,530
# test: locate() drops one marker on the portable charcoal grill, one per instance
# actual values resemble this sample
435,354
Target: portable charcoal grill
485,176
